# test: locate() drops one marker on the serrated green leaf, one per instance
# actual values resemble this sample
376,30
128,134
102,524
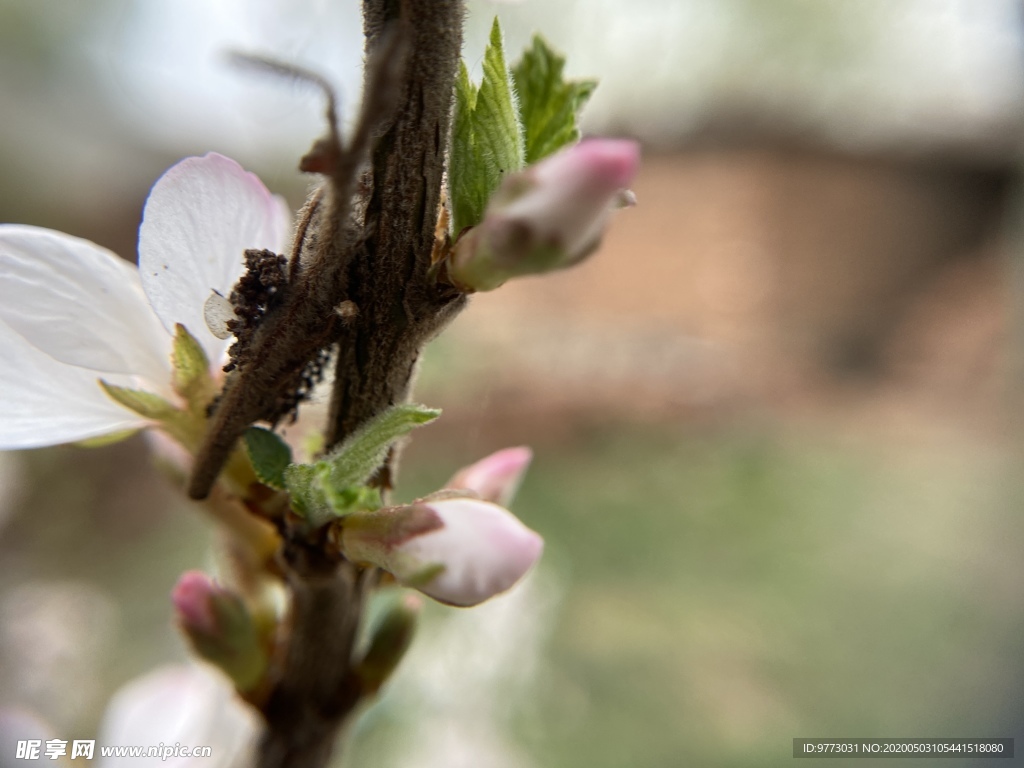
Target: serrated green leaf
146,404
496,117
487,140
334,486
319,502
191,375
549,105
353,498
352,462
467,191
269,456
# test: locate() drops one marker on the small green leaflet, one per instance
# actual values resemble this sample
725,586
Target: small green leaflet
269,456
549,105
334,485
512,120
352,462
487,140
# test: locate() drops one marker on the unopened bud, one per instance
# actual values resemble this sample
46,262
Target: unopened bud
390,638
460,551
548,216
220,629
494,478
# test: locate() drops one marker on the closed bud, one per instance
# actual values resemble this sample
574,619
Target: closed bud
390,638
460,551
220,628
494,478
549,216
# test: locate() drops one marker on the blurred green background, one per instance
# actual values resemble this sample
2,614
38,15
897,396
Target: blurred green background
775,418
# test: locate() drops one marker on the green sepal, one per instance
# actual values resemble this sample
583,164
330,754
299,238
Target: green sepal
487,139
549,105
101,440
235,645
269,456
146,404
191,375
423,576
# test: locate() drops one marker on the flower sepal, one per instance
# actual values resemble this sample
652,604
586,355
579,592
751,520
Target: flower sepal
190,371
183,425
146,404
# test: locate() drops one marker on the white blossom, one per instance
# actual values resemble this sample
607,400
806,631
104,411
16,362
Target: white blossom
72,312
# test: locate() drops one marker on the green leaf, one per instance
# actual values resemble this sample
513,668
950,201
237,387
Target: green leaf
352,498
487,140
467,188
269,455
335,485
549,105
146,404
191,375
304,488
498,134
352,462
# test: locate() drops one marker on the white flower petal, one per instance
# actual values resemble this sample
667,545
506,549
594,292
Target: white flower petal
80,304
200,218
47,403
189,706
495,478
484,548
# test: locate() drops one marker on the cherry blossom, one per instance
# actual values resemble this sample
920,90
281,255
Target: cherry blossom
72,312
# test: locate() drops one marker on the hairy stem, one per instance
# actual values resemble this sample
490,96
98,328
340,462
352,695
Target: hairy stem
396,306
400,306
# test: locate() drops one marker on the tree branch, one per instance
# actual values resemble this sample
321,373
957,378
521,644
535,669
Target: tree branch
400,305
377,258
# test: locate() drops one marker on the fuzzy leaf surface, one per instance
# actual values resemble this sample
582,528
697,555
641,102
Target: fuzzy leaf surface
487,139
269,455
549,105
335,486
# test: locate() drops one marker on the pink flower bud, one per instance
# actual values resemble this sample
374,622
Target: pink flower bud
494,478
549,216
192,597
460,551
220,629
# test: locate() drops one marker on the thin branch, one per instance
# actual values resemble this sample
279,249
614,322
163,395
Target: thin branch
362,253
